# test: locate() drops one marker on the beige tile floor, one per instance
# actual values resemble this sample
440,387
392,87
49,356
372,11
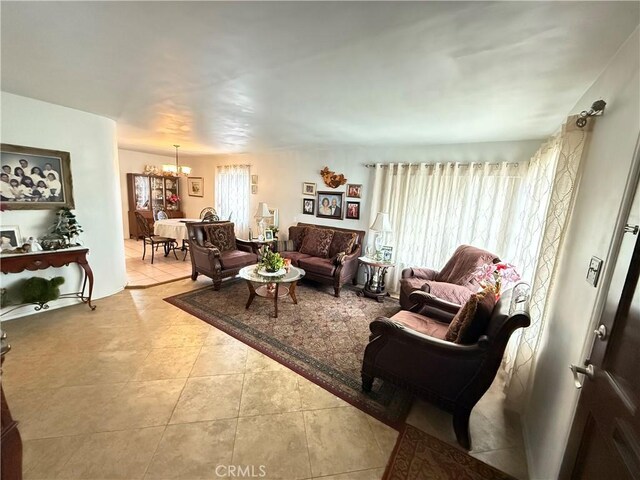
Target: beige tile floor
140,389
140,273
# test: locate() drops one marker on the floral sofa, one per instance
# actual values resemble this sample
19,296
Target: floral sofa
326,254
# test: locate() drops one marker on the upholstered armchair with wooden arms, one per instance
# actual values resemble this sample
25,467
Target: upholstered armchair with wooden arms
454,283
216,252
412,350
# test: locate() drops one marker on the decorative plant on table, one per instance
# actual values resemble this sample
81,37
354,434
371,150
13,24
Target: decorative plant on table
64,231
497,275
272,262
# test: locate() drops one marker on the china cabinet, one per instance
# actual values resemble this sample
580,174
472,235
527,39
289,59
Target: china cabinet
148,194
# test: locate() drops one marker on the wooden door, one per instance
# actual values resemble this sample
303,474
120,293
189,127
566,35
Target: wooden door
605,438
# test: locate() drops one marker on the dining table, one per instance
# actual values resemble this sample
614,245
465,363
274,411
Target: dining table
175,228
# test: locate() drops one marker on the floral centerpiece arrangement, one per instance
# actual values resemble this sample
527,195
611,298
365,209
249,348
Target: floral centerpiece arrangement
271,262
173,199
497,275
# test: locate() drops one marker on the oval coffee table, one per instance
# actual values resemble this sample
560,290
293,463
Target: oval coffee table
271,287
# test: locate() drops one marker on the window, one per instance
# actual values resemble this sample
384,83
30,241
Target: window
232,196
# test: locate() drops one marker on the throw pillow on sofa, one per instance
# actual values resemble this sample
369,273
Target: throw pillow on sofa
316,242
342,242
472,319
296,234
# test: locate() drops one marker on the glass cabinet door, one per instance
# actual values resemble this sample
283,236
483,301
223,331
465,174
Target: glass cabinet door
142,194
171,189
157,193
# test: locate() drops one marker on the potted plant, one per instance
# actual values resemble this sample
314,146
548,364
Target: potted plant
64,231
271,262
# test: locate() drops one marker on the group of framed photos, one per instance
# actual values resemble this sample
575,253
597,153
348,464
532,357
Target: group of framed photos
331,204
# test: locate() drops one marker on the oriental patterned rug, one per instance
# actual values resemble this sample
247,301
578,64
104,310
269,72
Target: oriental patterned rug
322,337
420,456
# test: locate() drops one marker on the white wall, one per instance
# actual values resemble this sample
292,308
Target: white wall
607,163
281,173
91,141
134,162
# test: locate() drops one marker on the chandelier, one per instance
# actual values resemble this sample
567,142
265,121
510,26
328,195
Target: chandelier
177,169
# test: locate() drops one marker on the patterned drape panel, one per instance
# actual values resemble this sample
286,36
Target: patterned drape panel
551,187
232,196
519,212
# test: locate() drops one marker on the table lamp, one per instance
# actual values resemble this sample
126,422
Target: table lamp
261,214
381,226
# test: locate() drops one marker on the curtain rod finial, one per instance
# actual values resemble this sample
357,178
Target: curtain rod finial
597,108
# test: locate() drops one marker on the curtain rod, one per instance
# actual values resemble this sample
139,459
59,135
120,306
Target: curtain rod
451,165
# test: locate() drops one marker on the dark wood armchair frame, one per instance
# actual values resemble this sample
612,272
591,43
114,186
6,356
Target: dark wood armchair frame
206,260
450,375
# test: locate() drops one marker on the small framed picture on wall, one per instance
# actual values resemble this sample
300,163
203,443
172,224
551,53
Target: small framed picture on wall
309,189
254,179
354,191
195,187
353,210
308,206
254,189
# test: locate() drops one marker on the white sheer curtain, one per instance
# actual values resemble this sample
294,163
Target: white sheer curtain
434,208
550,190
232,195
519,212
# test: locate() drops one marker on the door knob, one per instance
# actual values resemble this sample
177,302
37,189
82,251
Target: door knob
587,371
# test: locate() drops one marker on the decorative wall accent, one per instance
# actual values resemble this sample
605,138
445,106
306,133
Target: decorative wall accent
332,179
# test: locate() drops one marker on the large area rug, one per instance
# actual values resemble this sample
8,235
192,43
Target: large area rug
420,456
322,338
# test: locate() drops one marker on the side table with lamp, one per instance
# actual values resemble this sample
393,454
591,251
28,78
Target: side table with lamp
262,213
375,263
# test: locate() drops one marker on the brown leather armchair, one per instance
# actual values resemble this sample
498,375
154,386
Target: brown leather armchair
454,283
410,351
216,253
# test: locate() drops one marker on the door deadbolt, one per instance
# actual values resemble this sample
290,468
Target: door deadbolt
601,332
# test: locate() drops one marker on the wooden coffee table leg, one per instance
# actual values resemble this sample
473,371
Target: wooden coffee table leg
252,294
292,292
275,299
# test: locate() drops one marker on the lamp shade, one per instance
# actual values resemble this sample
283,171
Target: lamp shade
381,224
263,211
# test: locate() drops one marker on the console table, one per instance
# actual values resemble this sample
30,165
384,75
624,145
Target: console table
19,262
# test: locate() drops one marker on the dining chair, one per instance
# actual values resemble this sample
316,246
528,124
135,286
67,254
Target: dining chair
169,244
161,215
209,214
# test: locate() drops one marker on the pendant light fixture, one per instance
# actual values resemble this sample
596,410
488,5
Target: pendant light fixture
176,169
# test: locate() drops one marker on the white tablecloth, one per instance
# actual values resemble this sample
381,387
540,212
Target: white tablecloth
173,228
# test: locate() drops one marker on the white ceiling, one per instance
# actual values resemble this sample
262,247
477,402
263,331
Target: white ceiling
236,76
